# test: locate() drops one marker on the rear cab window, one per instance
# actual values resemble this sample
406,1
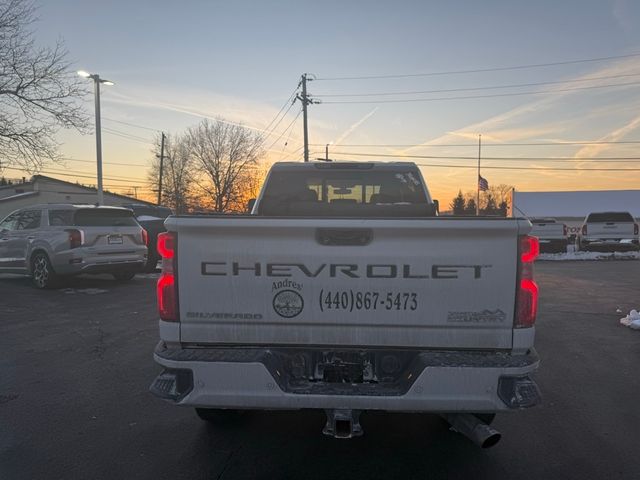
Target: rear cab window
605,217
93,217
345,192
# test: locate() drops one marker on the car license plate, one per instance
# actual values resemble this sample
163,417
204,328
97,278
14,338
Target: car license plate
114,239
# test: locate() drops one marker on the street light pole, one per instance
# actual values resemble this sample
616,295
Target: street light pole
96,84
96,89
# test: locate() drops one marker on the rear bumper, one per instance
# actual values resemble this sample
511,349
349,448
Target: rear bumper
553,245
432,381
598,244
82,260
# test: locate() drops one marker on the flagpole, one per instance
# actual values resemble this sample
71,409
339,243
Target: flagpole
478,179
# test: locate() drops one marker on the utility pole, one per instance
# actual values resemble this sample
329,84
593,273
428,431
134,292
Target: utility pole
96,83
304,98
478,179
161,167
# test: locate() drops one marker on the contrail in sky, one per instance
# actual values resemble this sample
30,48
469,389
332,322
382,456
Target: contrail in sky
351,129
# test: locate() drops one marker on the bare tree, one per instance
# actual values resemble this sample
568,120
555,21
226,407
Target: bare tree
498,194
225,156
177,173
38,90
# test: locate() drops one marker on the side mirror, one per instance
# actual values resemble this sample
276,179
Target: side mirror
250,204
436,207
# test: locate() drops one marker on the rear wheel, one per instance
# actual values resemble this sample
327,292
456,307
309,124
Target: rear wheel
218,416
42,274
124,276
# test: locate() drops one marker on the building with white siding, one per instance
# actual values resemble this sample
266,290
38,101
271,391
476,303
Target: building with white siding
42,189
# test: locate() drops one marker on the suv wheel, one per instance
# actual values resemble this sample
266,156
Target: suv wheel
42,274
124,276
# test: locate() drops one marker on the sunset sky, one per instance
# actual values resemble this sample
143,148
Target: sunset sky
175,63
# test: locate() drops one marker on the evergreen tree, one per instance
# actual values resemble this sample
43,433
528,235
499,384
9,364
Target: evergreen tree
458,204
490,206
471,207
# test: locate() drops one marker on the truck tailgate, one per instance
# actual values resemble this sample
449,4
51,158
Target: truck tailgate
431,283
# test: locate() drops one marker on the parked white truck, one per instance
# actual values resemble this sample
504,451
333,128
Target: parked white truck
551,234
344,291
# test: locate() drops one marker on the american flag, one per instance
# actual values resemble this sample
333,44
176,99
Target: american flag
483,184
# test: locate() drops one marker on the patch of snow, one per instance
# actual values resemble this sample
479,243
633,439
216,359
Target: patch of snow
632,320
590,256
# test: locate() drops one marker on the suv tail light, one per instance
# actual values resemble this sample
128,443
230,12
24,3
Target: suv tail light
584,229
145,237
527,292
635,229
76,238
167,283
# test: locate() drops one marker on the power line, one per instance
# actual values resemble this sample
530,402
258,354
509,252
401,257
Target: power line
447,157
132,125
268,133
576,169
480,70
292,153
126,136
104,163
491,87
285,130
534,168
475,145
281,109
494,95
79,175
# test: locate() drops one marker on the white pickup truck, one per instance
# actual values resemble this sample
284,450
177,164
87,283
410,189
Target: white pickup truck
551,235
603,231
344,291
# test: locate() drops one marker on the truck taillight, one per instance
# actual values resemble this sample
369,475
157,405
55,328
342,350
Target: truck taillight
584,229
527,295
145,237
167,283
564,230
76,238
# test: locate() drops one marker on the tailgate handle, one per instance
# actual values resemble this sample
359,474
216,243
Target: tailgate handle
344,236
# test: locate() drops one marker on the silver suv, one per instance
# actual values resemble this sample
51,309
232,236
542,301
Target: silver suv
54,240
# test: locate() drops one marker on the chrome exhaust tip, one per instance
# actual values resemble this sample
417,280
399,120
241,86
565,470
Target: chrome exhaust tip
473,428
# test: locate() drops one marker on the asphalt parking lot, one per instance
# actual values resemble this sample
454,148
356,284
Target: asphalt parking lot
76,364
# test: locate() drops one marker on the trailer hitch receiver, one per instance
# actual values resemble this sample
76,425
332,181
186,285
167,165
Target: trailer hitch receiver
343,423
